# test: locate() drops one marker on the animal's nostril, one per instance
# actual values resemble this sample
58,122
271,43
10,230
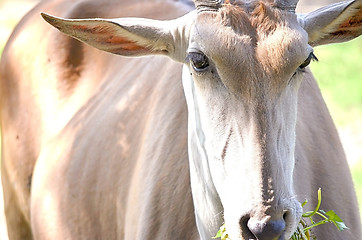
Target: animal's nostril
285,215
266,230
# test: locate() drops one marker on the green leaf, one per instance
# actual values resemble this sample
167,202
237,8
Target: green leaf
218,234
333,217
221,231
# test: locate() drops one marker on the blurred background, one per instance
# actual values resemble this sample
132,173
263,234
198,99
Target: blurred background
339,73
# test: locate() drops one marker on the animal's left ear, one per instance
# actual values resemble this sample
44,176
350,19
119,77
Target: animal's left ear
335,23
127,36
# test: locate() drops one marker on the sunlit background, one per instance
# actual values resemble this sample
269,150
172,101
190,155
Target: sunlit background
339,73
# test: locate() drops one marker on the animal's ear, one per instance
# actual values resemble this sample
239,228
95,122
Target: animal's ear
335,23
127,36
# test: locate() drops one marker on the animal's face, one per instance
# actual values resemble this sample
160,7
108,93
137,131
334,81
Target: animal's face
245,65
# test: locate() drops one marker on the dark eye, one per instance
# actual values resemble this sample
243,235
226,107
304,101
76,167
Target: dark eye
199,61
308,60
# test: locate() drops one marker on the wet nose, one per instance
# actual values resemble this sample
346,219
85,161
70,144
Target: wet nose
266,229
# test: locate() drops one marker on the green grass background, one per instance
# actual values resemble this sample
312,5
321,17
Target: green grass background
339,74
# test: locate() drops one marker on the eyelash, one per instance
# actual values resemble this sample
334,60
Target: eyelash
310,58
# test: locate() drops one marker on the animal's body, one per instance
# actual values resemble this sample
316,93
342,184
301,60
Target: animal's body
101,141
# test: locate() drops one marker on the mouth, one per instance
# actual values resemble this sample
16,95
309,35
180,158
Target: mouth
277,226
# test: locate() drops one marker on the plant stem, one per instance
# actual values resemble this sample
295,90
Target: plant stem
309,214
316,224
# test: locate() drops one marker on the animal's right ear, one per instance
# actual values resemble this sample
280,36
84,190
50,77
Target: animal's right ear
334,23
129,36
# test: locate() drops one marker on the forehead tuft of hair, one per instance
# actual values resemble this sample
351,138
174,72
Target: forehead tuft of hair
249,17
235,17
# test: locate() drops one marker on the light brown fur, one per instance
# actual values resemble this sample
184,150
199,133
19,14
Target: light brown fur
111,132
43,85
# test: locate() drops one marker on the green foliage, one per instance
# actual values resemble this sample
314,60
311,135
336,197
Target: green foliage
222,234
339,76
303,229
